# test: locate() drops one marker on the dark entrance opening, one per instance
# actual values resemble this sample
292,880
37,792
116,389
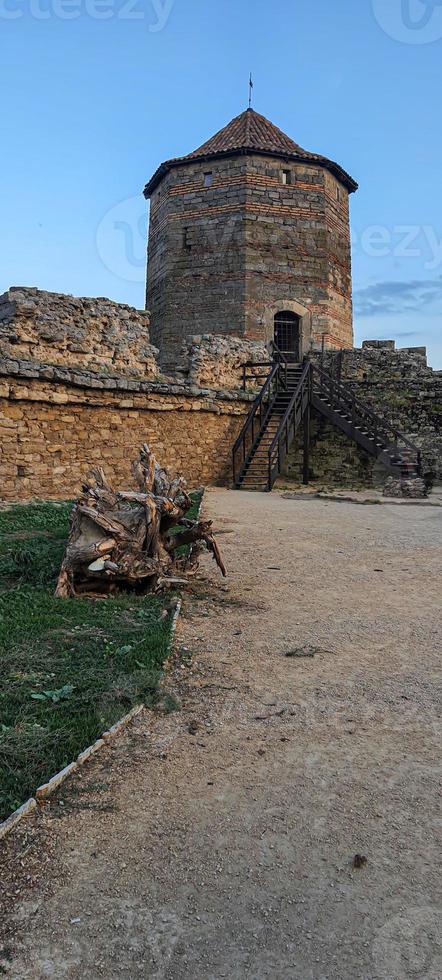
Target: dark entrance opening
287,334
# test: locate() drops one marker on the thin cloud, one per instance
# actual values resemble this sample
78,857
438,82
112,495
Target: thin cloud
395,297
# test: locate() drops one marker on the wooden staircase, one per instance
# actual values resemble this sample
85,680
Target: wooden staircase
283,407
255,474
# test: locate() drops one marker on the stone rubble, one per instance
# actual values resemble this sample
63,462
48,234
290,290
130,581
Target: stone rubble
415,488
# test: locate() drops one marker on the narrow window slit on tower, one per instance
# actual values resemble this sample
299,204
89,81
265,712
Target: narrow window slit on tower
208,177
286,176
186,238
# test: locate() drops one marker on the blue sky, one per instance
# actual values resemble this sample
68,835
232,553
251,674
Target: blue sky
96,93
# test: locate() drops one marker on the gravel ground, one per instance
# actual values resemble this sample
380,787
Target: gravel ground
219,841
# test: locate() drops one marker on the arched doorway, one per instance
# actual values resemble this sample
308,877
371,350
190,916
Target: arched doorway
287,334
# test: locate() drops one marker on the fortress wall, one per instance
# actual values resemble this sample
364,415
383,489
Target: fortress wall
79,385
396,384
216,362
71,330
56,423
195,273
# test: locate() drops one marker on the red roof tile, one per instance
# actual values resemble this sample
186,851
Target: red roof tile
251,133
250,130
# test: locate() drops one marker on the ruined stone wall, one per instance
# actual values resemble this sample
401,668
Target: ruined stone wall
216,362
399,386
57,422
69,330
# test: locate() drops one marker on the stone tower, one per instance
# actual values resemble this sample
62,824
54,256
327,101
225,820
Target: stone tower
249,235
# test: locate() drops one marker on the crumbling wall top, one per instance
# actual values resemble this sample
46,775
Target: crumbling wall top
216,362
75,331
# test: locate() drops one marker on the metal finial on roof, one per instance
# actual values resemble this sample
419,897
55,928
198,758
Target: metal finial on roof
250,90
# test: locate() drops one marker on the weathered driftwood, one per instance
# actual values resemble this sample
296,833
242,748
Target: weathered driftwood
129,539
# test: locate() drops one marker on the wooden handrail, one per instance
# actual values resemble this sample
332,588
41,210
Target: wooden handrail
289,409
259,398
356,402
278,374
257,375
314,387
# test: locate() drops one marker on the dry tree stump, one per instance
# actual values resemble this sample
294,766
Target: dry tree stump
129,540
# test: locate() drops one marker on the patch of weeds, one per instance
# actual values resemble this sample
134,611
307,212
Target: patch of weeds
306,651
79,789
196,497
54,696
32,542
50,516
184,654
169,703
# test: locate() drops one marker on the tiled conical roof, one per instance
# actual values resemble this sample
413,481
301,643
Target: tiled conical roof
251,133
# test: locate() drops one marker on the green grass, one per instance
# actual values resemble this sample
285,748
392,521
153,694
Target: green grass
69,668
32,541
192,514
196,497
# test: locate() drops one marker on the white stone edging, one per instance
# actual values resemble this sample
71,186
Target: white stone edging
16,816
46,789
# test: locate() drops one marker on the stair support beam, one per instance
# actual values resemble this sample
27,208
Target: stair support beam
306,449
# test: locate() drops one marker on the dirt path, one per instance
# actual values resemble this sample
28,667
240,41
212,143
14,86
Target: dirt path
218,841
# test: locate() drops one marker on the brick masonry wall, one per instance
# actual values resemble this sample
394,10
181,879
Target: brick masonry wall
195,276
399,386
297,249
52,430
224,258
71,331
338,323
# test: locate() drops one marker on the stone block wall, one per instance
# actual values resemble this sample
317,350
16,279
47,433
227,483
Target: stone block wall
399,385
297,250
216,362
71,331
195,273
334,459
80,385
396,384
54,426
